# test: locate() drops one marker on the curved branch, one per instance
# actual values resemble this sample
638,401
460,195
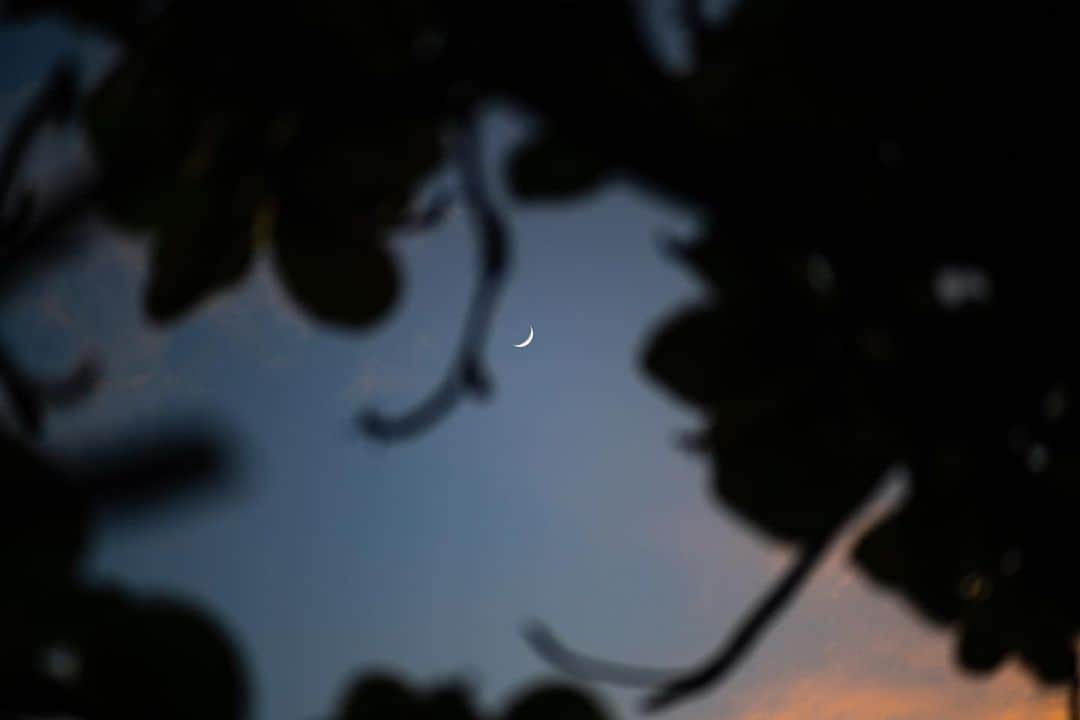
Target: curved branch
742,641
467,373
675,683
548,646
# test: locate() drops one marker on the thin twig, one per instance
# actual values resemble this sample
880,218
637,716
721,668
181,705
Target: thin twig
467,374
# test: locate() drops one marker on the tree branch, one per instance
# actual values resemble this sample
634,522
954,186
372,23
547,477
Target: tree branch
548,646
467,374
676,684
743,640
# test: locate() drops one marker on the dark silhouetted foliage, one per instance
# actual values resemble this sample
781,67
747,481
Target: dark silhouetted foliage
384,697
887,212
87,651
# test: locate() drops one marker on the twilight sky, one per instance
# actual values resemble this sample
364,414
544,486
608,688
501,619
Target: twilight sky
565,498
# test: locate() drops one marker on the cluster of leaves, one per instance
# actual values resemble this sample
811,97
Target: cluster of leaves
887,288
810,394
383,697
309,126
305,127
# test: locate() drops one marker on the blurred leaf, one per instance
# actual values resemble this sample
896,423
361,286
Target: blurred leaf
548,168
555,702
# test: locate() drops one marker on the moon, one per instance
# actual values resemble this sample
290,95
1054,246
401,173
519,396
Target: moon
527,340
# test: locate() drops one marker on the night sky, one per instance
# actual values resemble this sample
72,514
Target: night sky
565,498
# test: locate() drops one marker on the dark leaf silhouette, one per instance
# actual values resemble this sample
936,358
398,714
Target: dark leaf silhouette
219,148
74,649
379,696
382,696
552,169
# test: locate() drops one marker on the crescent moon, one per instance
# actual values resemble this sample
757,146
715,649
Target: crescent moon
527,340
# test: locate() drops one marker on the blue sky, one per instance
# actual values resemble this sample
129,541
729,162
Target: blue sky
563,498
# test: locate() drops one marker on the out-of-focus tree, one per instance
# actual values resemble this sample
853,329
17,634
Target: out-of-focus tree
886,201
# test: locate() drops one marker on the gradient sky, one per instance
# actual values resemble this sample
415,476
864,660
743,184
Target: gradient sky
564,498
